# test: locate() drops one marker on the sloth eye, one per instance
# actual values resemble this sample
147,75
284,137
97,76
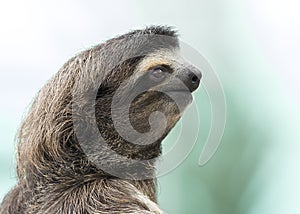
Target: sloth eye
158,74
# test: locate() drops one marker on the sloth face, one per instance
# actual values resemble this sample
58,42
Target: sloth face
150,99
163,86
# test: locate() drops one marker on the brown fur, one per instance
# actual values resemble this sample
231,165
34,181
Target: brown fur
54,173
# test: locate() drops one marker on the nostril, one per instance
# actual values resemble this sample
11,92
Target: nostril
190,79
195,79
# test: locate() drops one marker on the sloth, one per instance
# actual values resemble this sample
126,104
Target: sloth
93,133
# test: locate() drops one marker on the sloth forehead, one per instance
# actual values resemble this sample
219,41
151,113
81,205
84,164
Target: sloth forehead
168,57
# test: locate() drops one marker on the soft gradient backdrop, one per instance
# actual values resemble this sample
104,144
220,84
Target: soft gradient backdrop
252,45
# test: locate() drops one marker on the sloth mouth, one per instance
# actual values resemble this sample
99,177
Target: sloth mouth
180,91
182,96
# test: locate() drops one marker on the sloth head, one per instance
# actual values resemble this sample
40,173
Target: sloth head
109,105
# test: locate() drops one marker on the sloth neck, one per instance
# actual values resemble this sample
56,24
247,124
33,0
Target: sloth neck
67,177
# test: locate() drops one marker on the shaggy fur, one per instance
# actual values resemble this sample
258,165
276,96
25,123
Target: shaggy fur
55,175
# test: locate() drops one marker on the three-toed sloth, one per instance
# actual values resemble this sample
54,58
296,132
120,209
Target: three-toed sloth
93,133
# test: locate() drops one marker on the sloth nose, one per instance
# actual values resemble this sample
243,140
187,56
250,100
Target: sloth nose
191,78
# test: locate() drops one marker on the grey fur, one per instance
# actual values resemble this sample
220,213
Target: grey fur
54,174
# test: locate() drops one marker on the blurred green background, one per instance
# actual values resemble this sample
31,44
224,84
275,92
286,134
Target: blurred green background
253,47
